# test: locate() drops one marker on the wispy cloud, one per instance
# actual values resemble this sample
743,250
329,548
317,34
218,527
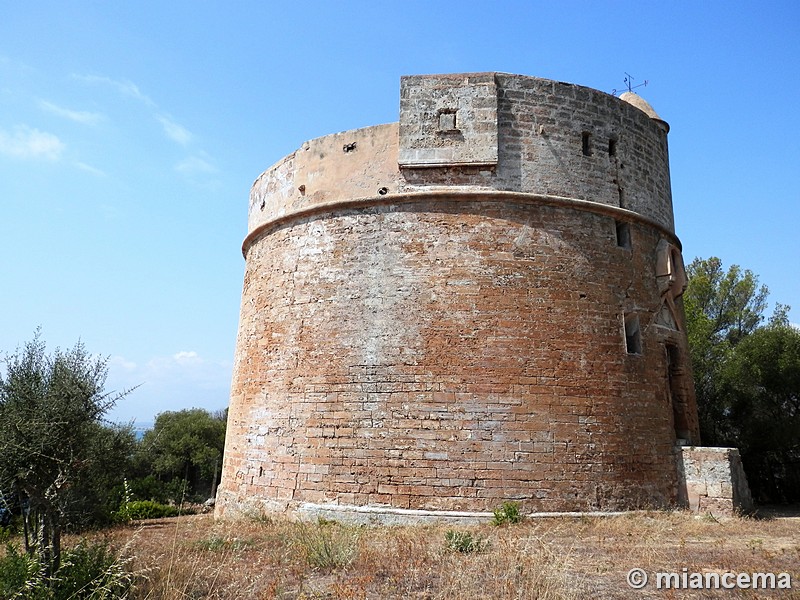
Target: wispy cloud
183,366
123,86
26,142
183,380
186,357
8,63
177,133
79,116
174,131
196,165
90,169
122,363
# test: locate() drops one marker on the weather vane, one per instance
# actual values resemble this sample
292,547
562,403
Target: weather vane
629,84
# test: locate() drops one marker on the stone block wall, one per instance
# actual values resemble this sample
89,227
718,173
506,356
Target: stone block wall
448,121
531,141
712,480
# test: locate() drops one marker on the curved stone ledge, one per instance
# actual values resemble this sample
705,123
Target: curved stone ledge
320,210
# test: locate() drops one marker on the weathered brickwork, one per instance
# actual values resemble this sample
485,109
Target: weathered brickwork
447,337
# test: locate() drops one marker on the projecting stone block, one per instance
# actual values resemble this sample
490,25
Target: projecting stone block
448,120
712,480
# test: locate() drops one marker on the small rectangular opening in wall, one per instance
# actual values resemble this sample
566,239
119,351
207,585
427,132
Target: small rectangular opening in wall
586,143
447,120
623,230
612,147
633,335
621,197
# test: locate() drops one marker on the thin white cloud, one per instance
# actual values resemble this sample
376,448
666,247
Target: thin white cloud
26,142
90,169
124,87
183,365
174,131
184,357
122,363
177,133
14,64
79,116
199,163
195,165
182,380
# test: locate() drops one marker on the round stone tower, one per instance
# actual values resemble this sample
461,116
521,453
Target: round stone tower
480,303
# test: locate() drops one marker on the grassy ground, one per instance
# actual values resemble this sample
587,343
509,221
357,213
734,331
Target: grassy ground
193,557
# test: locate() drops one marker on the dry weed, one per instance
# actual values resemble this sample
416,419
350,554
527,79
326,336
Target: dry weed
195,558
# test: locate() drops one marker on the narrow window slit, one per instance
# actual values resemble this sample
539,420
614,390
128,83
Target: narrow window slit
676,384
633,335
623,231
586,141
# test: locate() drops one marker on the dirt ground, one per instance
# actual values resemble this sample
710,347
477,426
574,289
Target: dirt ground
195,557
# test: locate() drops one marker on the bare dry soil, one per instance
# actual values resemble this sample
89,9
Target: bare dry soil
194,557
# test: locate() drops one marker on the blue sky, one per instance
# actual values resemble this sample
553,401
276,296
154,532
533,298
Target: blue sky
130,134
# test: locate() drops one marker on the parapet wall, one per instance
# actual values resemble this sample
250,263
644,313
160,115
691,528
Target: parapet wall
511,133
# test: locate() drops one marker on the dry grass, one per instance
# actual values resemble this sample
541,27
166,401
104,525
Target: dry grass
194,557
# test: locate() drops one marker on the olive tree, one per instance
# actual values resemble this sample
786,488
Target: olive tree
50,406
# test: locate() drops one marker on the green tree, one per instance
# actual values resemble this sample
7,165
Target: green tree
744,374
50,408
760,387
731,302
185,446
722,307
98,489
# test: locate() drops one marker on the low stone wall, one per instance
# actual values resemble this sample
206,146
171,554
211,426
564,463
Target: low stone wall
712,480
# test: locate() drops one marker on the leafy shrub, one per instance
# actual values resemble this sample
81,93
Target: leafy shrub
507,513
90,571
150,487
464,542
17,569
5,534
326,545
137,510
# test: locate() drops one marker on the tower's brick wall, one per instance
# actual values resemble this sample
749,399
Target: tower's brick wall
426,328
